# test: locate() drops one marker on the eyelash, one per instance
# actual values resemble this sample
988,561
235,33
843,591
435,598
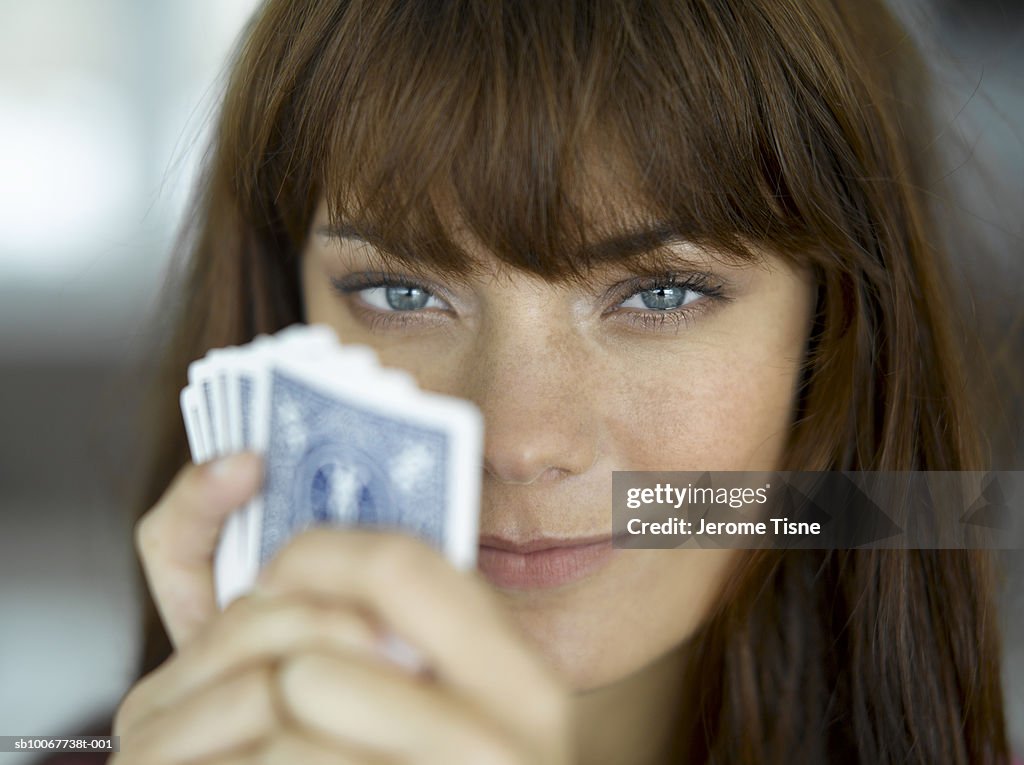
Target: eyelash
703,284
349,285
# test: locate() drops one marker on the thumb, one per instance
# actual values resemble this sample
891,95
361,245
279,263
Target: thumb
177,538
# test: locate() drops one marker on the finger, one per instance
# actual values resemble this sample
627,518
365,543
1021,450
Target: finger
252,630
385,710
216,720
449,616
291,748
177,538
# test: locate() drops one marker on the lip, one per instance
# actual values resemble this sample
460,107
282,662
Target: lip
543,562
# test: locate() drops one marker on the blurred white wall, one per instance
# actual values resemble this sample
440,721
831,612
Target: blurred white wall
100,104
103,111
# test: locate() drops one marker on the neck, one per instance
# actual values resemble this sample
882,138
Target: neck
636,719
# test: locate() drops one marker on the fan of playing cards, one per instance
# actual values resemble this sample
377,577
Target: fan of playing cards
344,440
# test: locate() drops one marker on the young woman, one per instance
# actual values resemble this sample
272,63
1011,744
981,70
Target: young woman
638,235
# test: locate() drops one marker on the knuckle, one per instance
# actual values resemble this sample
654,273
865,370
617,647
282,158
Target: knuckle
231,619
130,708
258,627
395,558
342,625
122,716
144,533
273,750
293,676
313,539
255,623
283,746
302,549
147,530
229,627
489,750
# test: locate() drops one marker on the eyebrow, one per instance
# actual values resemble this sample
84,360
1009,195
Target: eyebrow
635,242
621,246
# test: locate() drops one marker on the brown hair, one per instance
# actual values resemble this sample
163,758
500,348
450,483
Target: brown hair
791,124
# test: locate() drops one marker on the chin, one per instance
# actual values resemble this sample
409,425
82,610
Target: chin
609,627
588,648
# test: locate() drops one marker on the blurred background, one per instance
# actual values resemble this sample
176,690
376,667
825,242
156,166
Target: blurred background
104,108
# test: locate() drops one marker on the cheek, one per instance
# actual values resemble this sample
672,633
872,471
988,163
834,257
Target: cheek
721,398
647,603
732,412
706,409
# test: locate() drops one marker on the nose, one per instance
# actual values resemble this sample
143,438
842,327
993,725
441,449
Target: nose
533,388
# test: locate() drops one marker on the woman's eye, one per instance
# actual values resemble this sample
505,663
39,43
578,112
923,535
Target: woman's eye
653,304
662,298
399,298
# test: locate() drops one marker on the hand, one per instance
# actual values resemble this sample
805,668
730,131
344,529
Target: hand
177,538
295,672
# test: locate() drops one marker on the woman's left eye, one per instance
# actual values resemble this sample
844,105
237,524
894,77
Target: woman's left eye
653,303
668,293
399,298
662,298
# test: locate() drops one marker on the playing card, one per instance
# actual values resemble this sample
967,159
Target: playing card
194,430
345,442
203,376
343,453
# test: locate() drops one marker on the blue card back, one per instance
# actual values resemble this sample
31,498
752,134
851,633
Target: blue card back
332,460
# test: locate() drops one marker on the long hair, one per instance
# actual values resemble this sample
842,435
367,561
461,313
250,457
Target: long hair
795,125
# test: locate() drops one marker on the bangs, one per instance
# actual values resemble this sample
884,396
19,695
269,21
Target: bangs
558,136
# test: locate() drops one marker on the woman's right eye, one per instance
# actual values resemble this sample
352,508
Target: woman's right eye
383,299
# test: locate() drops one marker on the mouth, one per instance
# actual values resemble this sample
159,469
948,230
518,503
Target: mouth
543,562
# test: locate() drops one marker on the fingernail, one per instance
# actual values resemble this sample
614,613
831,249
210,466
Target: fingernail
400,653
225,466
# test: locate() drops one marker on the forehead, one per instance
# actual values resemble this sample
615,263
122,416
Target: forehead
601,222
654,247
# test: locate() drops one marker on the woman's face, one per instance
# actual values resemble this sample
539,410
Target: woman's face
574,383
